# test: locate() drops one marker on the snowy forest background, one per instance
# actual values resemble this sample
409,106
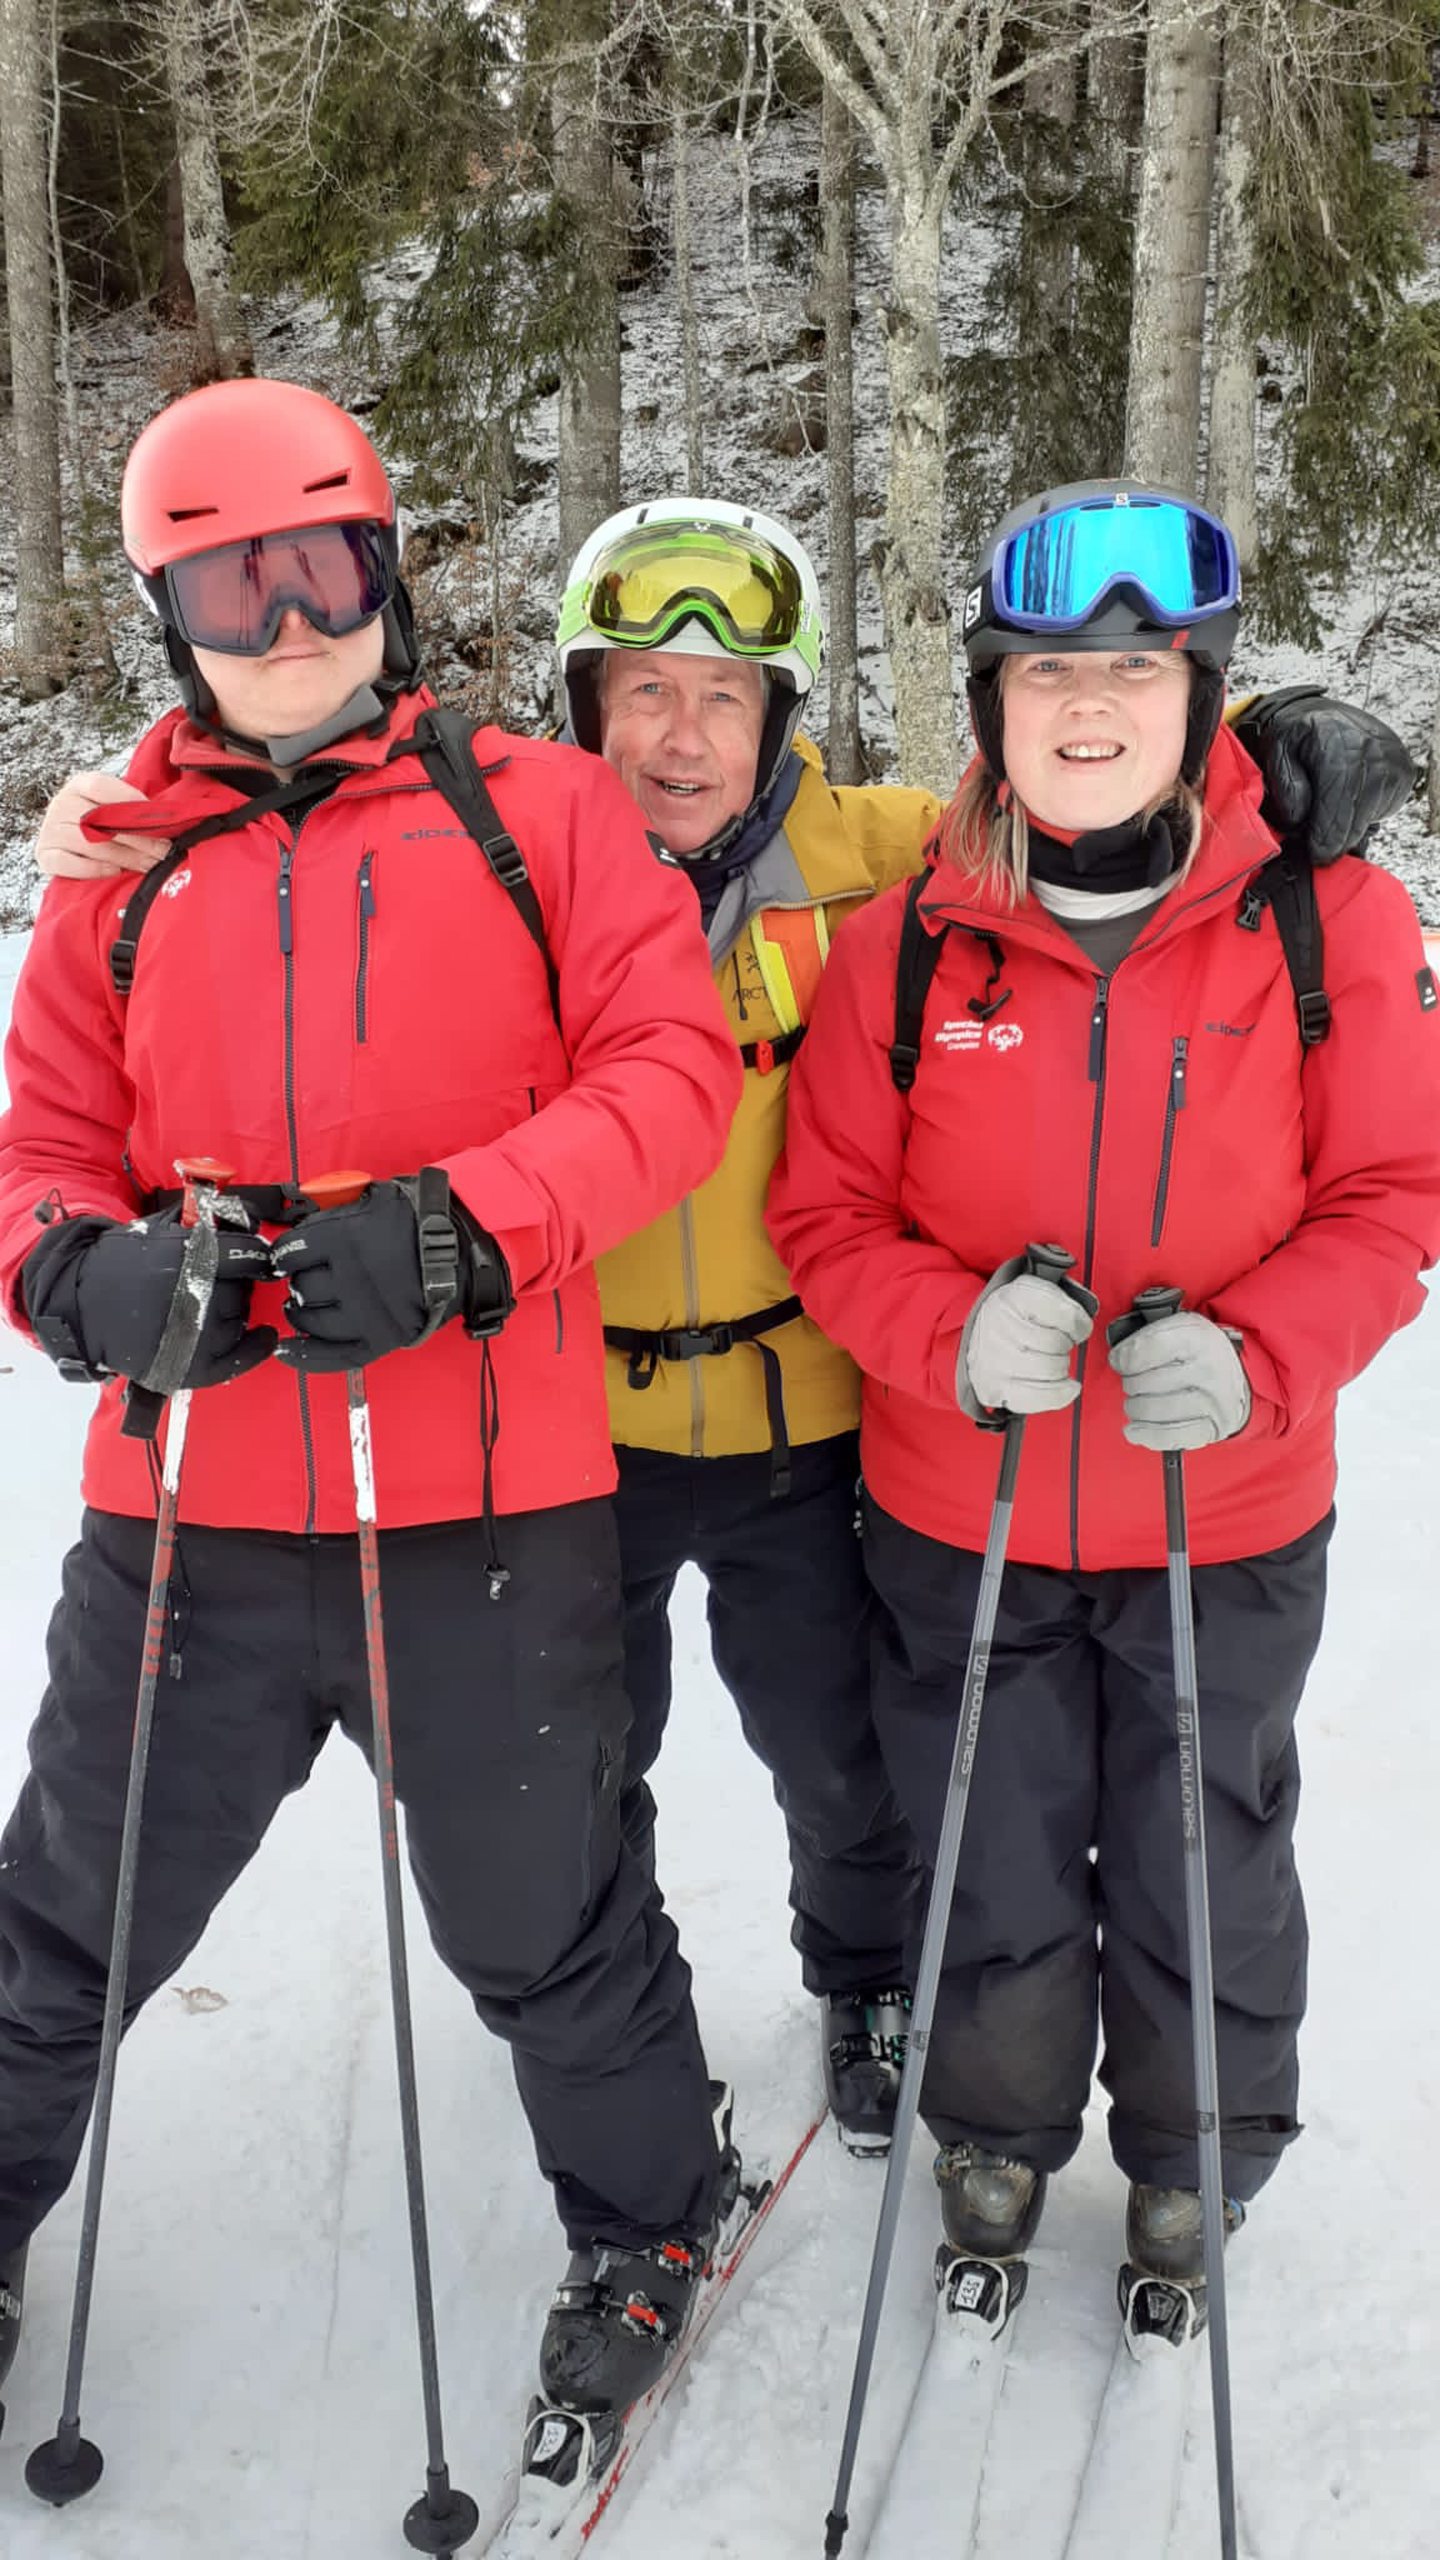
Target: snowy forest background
875,265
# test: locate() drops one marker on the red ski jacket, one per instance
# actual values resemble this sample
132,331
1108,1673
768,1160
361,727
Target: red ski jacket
358,990
1164,1126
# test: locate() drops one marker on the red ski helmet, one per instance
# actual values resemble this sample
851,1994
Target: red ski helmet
252,457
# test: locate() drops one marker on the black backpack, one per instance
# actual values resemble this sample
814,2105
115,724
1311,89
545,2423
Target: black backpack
443,741
1286,885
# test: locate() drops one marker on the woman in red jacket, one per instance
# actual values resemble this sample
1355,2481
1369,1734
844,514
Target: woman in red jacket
334,975
1111,1060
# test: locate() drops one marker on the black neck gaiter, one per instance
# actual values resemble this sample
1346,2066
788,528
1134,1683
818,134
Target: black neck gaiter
1138,854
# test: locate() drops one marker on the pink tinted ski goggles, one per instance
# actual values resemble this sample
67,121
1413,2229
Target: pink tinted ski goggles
233,599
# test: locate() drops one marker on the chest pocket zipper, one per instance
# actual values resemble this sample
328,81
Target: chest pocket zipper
1174,1105
366,886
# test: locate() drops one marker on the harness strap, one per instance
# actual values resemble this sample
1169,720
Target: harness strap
766,1055
1287,887
711,1342
303,791
444,742
915,967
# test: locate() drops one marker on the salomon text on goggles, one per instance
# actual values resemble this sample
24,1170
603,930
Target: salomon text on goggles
652,580
233,599
1053,574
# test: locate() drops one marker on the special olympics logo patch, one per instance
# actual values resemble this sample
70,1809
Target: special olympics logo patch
1005,1035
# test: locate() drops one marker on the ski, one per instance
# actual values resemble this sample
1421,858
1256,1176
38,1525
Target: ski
1131,2482
573,2468
953,2410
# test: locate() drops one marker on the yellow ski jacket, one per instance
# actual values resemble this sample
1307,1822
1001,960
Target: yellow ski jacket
705,1276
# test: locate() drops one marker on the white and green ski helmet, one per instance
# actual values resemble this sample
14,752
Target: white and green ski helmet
703,578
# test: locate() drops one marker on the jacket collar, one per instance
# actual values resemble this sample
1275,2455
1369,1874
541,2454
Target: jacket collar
1235,844
186,773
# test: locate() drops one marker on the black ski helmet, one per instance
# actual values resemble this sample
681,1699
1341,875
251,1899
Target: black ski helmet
1124,613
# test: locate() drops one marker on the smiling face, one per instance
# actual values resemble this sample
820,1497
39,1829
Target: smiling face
1093,738
302,679
683,733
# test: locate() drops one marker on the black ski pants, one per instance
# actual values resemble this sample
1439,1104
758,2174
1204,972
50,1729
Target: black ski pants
508,1721
789,1613
1070,1895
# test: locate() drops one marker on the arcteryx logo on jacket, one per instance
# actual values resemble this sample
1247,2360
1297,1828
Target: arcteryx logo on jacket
357,991
1164,1126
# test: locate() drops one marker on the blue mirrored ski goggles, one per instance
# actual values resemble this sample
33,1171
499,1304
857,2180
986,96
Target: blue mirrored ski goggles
1053,574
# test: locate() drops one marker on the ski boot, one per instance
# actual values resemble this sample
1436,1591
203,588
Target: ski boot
620,2314
989,2207
12,2300
865,2034
1161,2287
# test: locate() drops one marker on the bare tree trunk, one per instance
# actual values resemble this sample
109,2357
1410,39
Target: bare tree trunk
590,413
1433,794
913,572
222,346
1230,476
684,231
1114,94
1047,268
1172,242
845,756
40,612
174,294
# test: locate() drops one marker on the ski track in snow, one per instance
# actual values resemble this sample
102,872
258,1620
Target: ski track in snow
252,2376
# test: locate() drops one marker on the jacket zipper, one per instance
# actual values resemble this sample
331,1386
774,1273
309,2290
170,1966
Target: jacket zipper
362,972
1099,1031
1175,1103
287,953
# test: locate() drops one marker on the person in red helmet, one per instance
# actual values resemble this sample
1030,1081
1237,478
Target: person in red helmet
521,1047
1084,1027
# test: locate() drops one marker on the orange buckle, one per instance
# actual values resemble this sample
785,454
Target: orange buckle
764,1057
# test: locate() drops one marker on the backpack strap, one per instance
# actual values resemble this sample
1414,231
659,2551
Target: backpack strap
303,789
444,742
918,960
1287,887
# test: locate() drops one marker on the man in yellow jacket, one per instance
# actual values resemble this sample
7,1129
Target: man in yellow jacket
690,639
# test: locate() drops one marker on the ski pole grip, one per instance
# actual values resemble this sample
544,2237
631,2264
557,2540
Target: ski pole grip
197,1174
145,1405
1149,1306
1052,1262
335,1190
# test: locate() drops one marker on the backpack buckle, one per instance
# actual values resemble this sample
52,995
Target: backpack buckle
1313,1008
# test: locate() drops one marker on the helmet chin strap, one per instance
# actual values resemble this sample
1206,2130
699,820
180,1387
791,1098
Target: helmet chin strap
362,711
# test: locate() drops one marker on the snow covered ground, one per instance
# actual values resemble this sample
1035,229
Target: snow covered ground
252,2371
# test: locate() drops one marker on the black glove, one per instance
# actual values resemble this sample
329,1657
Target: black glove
1332,772
100,1297
385,1271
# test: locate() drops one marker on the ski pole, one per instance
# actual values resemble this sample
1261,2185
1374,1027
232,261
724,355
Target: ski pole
1149,1307
67,2465
445,2517
1047,1262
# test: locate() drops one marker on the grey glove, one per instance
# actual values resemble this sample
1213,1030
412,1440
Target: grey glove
1016,1349
1185,1384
